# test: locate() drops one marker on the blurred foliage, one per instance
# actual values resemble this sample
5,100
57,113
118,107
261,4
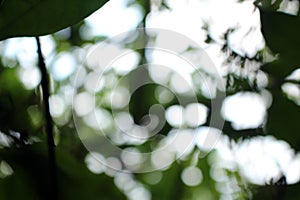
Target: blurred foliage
277,192
280,31
14,103
23,157
30,179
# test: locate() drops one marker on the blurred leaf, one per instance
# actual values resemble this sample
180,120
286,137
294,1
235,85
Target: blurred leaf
170,186
277,192
14,101
269,4
281,32
283,119
41,17
141,101
30,179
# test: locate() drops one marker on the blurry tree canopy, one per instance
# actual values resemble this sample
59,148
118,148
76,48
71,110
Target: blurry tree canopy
198,171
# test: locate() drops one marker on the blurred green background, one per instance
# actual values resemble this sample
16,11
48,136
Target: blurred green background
232,62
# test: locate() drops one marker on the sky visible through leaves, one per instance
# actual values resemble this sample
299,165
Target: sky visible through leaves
257,159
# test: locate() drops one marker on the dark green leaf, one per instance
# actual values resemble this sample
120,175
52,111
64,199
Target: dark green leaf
41,17
281,32
283,119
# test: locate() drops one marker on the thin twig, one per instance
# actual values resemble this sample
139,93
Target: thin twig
49,125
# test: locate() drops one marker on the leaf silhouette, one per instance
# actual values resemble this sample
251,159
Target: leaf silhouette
281,32
41,17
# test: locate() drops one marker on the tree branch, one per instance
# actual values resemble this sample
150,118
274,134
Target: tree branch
49,125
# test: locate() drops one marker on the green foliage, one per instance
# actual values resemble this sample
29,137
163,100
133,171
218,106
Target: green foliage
30,179
281,32
41,17
21,113
14,103
283,119
277,192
